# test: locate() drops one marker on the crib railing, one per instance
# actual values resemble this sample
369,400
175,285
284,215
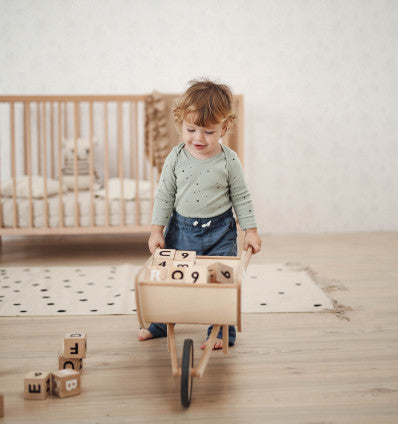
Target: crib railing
32,131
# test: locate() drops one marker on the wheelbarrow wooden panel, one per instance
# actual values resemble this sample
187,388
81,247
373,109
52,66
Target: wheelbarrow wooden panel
189,303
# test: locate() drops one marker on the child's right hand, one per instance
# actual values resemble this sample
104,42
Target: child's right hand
156,240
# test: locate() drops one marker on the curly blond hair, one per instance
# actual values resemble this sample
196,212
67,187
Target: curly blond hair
205,102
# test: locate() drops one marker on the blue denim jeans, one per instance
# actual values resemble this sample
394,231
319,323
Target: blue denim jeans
214,236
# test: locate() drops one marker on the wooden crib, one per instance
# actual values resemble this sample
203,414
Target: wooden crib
104,183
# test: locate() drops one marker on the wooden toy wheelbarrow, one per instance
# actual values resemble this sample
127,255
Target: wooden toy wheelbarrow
172,303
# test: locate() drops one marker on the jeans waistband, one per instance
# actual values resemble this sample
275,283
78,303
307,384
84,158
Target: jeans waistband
201,222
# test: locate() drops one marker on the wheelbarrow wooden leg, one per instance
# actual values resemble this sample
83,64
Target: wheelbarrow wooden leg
207,351
225,339
171,345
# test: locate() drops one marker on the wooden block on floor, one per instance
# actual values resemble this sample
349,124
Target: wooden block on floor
185,256
37,385
196,274
182,263
68,363
176,274
156,273
75,345
1,405
165,254
66,383
161,262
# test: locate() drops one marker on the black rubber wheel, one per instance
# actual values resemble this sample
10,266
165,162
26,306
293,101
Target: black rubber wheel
186,378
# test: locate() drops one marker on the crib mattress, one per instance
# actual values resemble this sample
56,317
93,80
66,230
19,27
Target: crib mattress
69,211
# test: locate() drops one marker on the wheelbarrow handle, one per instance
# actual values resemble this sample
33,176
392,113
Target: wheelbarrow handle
246,257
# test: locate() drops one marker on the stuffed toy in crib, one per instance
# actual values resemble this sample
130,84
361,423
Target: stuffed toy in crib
83,164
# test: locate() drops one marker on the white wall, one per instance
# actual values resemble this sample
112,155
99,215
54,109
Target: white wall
319,79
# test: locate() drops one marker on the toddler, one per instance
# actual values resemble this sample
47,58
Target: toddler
201,181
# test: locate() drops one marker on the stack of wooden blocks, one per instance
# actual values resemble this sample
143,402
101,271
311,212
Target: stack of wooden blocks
65,381
180,266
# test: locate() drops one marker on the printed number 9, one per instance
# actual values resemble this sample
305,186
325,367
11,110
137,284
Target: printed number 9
184,255
195,276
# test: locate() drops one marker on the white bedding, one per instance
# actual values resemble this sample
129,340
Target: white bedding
68,201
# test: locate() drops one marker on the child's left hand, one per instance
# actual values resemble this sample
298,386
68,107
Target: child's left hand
252,239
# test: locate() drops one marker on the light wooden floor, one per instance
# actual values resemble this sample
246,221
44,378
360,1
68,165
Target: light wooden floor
285,368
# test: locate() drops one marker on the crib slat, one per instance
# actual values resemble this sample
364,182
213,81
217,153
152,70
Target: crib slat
75,168
120,165
151,162
137,192
52,138
65,120
13,165
60,191
45,198
38,138
92,220
106,163
28,150
131,144
25,132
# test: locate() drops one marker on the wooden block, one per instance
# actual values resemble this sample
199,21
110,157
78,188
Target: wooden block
1,405
160,262
220,273
185,256
165,254
68,363
183,263
224,273
196,274
75,345
176,274
37,385
156,273
212,273
66,383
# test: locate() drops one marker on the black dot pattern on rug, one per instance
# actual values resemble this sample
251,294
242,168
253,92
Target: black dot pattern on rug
59,290
281,288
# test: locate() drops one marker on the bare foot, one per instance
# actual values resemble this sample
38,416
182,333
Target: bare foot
144,334
217,345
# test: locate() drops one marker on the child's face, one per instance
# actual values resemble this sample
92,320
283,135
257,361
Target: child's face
202,142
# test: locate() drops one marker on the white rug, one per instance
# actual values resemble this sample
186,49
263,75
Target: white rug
53,291
276,288
93,290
